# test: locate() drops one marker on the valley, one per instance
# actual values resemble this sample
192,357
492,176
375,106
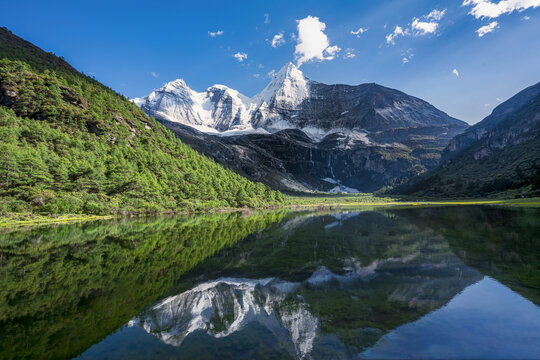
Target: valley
64,154
248,180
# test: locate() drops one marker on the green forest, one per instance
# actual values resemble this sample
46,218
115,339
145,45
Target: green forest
69,144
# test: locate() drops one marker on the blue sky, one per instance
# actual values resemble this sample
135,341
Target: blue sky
134,47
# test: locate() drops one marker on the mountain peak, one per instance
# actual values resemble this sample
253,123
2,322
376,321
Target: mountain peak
289,71
289,85
288,66
291,100
178,83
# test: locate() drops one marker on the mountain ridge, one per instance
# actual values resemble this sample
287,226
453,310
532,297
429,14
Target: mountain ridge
500,154
498,115
293,101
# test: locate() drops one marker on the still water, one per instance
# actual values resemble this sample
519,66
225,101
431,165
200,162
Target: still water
448,282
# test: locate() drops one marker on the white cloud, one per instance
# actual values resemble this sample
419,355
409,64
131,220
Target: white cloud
349,53
154,74
526,18
256,76
498,99
488,9
487,28
436,15
312,42
407,56
398,31
455,72
278,40
267,18
332,51
240,56
216,33
487,105
424,27
427,24
358,32
260,66
271,74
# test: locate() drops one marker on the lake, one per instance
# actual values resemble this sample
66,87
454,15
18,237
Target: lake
440,282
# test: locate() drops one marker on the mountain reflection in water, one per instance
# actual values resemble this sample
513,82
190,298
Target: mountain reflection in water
401,283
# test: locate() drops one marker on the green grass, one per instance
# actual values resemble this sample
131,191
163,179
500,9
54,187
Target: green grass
347,200
297,202
29,219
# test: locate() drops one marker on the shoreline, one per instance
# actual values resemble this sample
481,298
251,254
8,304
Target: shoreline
29,219
12,220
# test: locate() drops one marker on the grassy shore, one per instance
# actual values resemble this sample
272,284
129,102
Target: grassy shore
293,202
14,220
323,200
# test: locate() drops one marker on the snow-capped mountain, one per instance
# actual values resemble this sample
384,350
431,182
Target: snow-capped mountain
226,111
299,134
219,108
225,306
292,101
281,99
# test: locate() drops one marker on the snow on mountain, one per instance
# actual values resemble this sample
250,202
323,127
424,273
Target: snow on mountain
292,101
224,111
288,87
217,109
228,305
286,92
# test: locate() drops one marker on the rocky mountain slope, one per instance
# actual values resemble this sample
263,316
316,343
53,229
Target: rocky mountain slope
300,134
500,153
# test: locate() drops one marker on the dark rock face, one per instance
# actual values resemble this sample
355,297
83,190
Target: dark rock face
290,160
500,153
504,124
369,107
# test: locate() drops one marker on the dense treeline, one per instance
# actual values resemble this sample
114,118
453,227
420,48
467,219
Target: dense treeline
68,144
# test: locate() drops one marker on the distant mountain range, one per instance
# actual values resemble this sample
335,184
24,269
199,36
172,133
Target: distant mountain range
500,153
299,134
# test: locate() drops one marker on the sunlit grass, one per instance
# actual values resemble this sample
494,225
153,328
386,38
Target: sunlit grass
27,219
308,201
347,200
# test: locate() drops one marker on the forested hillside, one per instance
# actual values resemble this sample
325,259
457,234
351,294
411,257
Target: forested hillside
498,156
68,144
